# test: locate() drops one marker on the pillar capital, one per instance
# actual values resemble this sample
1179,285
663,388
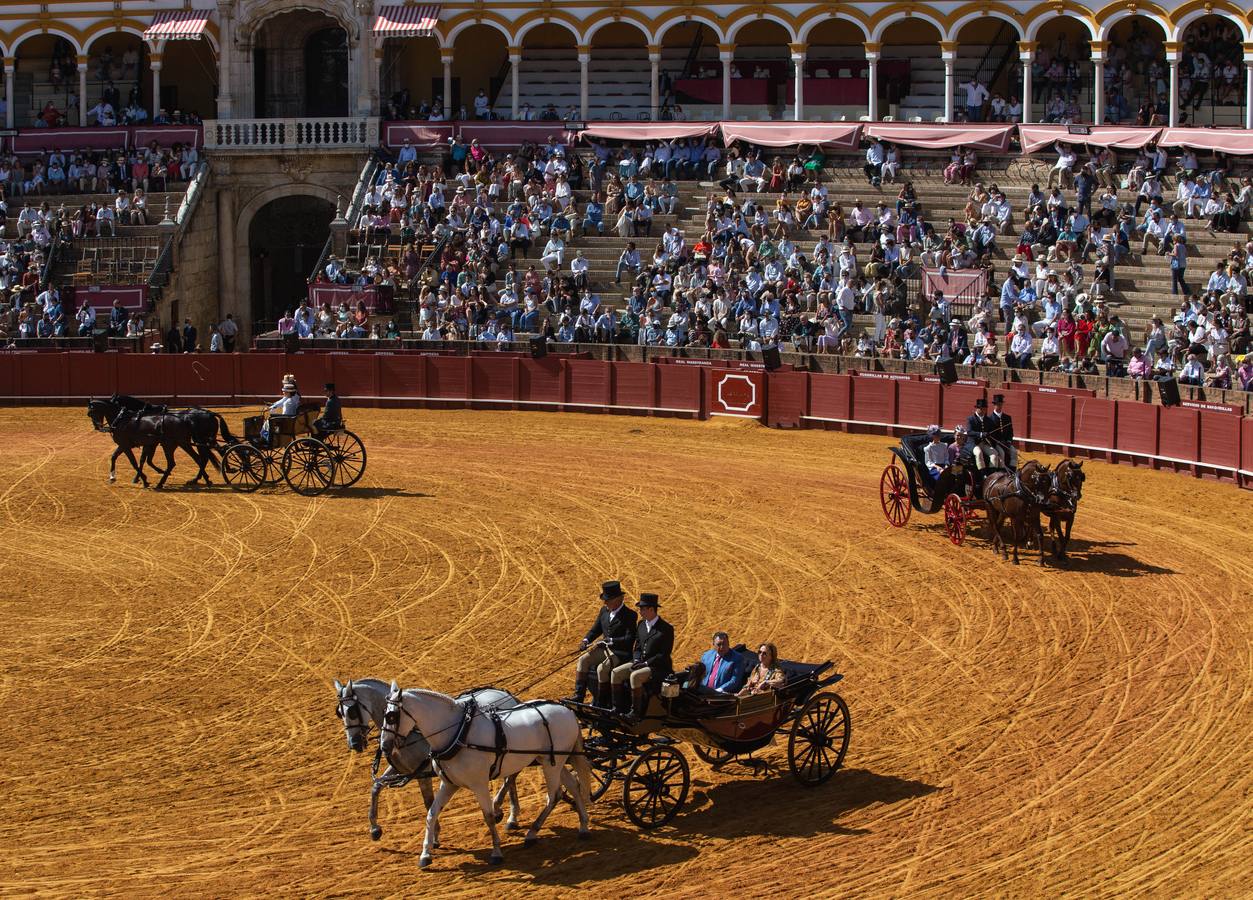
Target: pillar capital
798,49
654,58
10,62
584,58
445,55
873,47
654,49
726,48
515,53
82,63
584,49
1248,54
154,62
948,48
1026,51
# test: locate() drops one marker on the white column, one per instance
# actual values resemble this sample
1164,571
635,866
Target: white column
1098,92
585,59
872,81
155,64
798,65
82,90
726,54
1026,55
515,72
654,89
445,54
950,87
226,56
10,68
1248,87
1174,92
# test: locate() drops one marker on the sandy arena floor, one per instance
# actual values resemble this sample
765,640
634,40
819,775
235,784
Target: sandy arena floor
166,666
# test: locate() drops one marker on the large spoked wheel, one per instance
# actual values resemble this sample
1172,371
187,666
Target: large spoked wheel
894,495
656,787
713,755
819,739
243,467
955,519
349,455
604,770
308,466
273,464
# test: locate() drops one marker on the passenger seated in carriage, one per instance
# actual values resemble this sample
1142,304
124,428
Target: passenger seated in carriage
936,453
722,669
287,405
332,413
767,675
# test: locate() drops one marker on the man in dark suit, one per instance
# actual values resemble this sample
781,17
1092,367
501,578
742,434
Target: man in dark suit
1003,431
615,626
981,430
654,642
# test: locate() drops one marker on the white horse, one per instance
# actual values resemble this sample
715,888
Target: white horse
539,733
364,701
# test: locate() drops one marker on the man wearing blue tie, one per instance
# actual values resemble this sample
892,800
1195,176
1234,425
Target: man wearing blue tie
724,669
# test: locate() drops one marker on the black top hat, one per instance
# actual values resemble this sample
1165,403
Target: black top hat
611,590
648,600
998,398
330,386
981,403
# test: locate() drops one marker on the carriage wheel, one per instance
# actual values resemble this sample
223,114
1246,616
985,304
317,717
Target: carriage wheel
308,466
243,467
349,455
604,770
955,519
894,495
819,739
713,755
656,786
273,464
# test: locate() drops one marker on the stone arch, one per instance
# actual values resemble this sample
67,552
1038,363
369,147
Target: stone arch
891,18
735,25
851,16
984,13
22,35
456,26
1045,16
1111,15
679,16
617,18
1190,13
530,22
108,28
248,27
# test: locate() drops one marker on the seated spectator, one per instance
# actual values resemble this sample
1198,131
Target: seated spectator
725,670
766,675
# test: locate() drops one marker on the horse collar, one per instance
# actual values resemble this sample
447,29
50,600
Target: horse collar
469,711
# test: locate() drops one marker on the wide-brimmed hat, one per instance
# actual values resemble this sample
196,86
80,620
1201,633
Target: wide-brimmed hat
648,600
611,590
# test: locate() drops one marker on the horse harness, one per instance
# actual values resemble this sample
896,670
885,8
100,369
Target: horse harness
470,709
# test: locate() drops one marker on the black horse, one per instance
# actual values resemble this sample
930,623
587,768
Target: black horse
130,430
204,424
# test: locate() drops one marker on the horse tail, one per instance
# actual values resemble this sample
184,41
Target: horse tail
226,431
583,769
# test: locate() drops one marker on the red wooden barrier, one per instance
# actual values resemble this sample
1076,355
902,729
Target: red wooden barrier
94,374
1137,430
1094,423
208,378
957,403
151,375
830,398
1246,451
738,394
312,371
1220,441
8,374
679,389
260,375
402,375
874,401
355,375
495,379
540,381
786,395
448,377
589,386
1051,420
1018,405
634,385
1047,389
917,403
1179,433
43,376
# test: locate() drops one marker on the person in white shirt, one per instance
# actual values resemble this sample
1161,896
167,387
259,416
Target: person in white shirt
1062,173
976,94
876,155
287,405
936,453
215,339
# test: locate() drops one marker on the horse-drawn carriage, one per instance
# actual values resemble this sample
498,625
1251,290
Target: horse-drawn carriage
308,457
956,492
644,755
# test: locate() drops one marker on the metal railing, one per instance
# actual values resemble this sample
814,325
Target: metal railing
160,275
291,134
364,182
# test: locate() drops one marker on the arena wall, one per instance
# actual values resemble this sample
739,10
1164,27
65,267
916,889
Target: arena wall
1197,438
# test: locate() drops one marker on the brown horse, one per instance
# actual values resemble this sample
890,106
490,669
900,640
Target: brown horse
1017,496
1063,497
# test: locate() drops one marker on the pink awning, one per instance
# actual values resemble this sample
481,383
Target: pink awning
937,136
177,25
1038,137
840,135
419,134
647,131
1236,141
406,21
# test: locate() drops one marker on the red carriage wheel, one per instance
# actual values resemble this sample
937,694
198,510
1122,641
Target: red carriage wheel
894,495
955,518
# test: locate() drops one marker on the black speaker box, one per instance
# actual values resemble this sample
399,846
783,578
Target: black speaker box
1168,391
947,370
539,347
770,356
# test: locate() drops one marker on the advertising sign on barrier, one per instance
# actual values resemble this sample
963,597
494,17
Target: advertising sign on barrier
889,376
965,382
1047,389
739,394
1212,407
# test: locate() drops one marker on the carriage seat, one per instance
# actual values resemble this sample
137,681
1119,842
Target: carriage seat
797,671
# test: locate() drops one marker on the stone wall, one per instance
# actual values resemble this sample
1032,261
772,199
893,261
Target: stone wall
193,284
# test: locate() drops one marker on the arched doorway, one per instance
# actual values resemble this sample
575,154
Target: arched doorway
1061,75
1213,60
480,62
1137,70
46,71
912,70
987,55
619,73
691,72
765,72
285,239
548,77
300,66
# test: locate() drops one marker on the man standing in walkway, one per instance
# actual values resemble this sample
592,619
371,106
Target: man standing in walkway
228,329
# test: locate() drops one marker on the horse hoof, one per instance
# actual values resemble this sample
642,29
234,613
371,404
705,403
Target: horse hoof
585,835
423,862
529,840
375,833
496,859
511,826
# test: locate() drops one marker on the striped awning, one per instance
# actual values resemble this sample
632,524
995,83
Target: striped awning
177,25
406,21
